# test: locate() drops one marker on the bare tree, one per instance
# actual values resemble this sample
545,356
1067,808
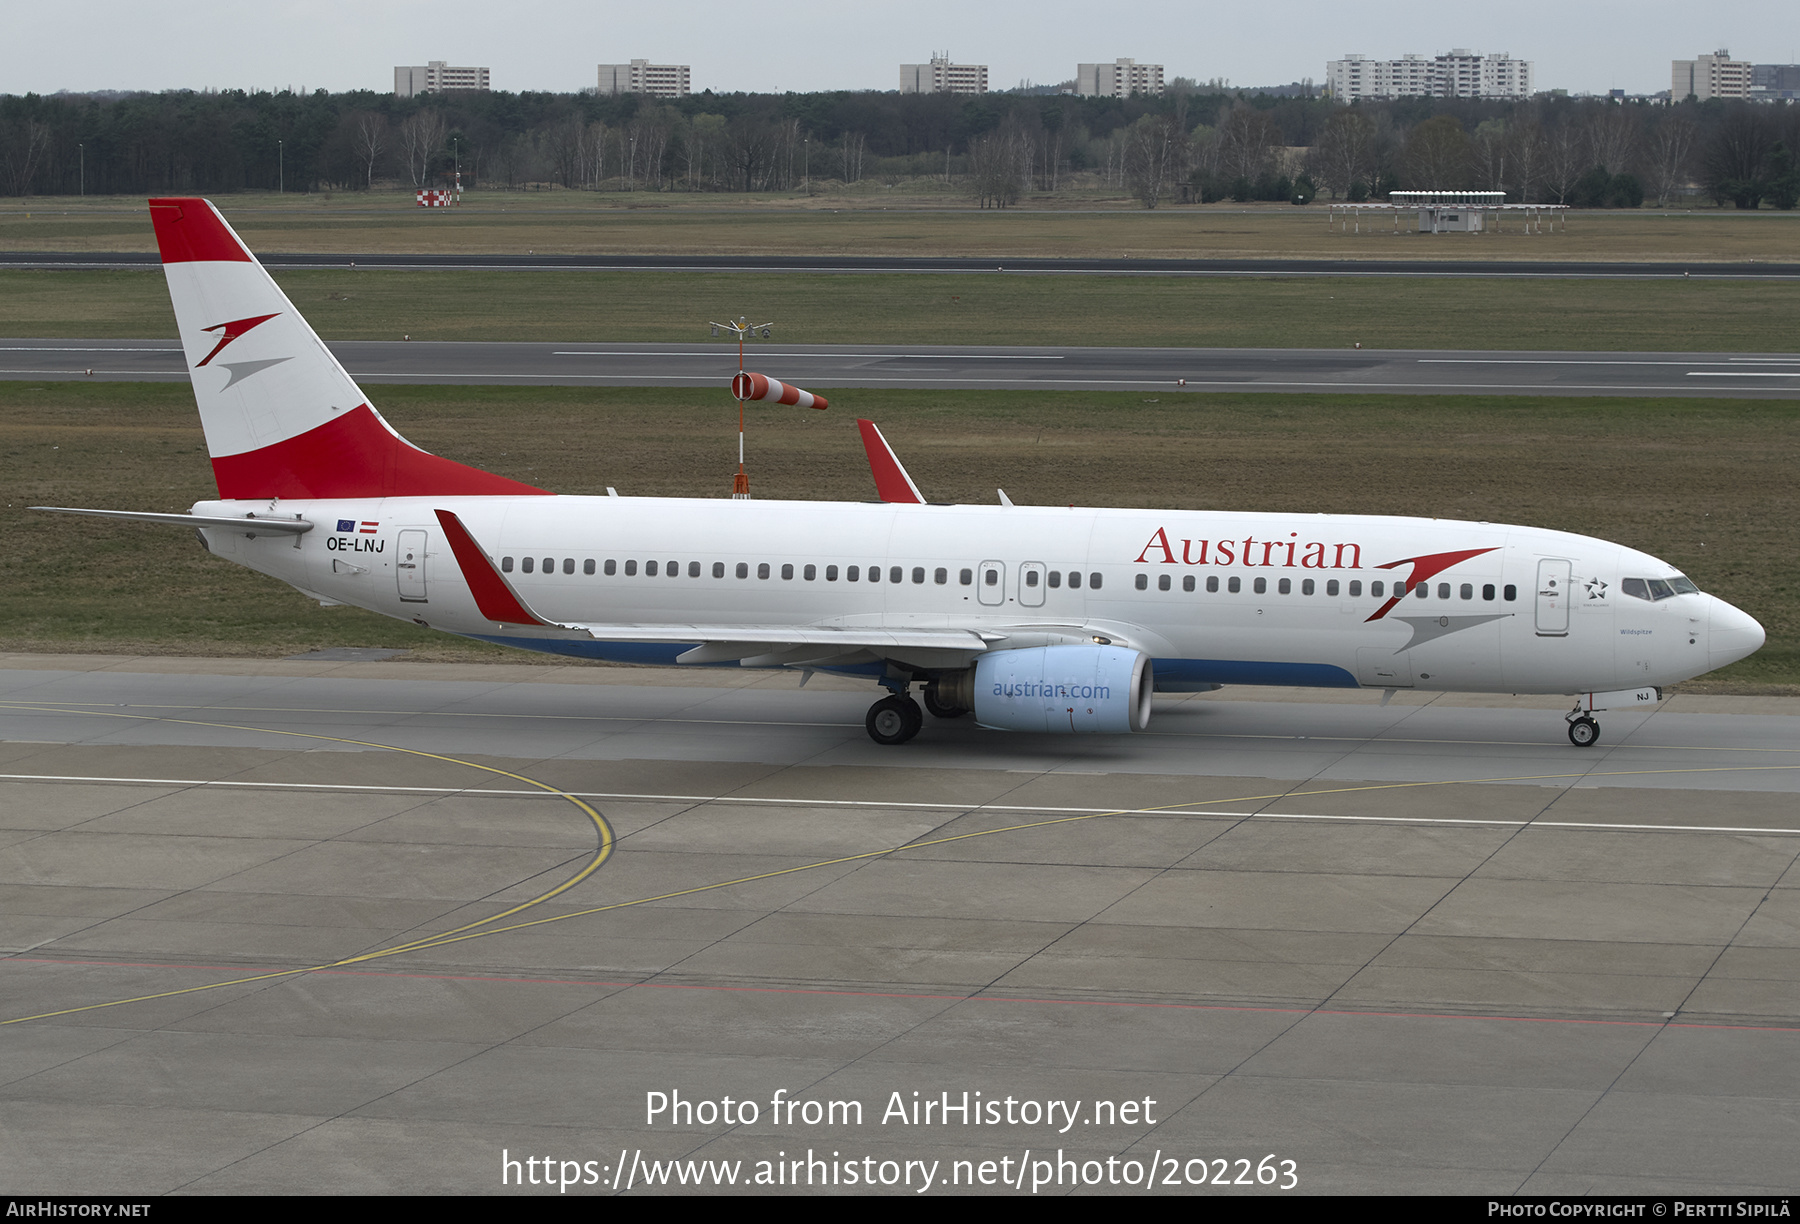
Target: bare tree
23,144
1344,152
370,139
1247,142
1153,155
1438,153
1565,160
856,145
421,136
562,145
998,165
1668,147
1525,140
1489,152
1612,137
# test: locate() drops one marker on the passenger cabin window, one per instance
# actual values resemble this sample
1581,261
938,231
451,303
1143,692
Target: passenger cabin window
1284,586
762,569
743,569
1094,582
1234,584
810,573
718,569
506,565
896,574
549,565
1212,583
568,565
526,563
851,572
919,575
940,575
787,573
649,569
1261,586
1187,582
1511,593
965,577
587,567
612,567
1143,582
1375,589
1055,579
1074,580
693,569
831,573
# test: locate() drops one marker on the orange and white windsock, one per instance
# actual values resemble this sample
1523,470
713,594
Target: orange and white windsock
748,386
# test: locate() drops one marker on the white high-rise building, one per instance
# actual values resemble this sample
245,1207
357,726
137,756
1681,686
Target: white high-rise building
941,76
1459,74
1119,79
643,77
1709,76
437,77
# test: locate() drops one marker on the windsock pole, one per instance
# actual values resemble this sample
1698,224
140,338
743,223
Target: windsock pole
746,386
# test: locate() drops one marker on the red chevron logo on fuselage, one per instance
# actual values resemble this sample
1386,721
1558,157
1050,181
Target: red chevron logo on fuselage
1424,569
232,330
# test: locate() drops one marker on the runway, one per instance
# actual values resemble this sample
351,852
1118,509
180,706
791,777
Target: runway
342,926
1534,269
1425,371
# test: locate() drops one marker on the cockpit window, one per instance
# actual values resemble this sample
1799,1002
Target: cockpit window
1658,588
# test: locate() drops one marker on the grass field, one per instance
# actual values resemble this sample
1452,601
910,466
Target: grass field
879,222
1706,484
1235,312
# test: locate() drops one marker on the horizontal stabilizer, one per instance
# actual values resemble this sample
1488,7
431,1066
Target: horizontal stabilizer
247,522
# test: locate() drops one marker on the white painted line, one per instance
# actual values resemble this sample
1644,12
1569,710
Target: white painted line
971,808
721,354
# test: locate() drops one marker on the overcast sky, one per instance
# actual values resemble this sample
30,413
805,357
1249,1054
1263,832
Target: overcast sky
802,45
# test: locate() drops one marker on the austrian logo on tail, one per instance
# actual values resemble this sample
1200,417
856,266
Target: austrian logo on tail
232,330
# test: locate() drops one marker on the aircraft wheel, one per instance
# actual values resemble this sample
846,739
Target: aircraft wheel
938,709
893,720
1584,732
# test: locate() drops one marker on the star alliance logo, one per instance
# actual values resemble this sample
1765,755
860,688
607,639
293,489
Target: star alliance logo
1596,589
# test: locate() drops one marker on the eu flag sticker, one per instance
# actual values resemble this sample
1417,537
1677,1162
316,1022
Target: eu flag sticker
346,524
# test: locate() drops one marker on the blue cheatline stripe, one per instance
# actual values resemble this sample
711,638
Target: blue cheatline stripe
1243,671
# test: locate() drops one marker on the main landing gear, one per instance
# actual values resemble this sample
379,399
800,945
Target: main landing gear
1584,732
894,720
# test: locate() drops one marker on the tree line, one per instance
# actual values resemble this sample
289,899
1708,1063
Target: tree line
1191,143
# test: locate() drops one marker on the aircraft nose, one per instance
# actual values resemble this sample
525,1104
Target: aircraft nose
1732,634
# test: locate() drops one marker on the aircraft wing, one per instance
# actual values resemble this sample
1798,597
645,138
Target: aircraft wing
757,645
774,645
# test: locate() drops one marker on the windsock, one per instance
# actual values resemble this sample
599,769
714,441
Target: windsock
758,387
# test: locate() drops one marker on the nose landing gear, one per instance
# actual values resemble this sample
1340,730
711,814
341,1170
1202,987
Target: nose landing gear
1584,732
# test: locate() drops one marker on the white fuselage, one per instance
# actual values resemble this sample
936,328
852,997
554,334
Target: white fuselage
1212,598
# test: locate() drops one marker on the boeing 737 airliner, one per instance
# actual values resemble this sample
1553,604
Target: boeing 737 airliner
1046,619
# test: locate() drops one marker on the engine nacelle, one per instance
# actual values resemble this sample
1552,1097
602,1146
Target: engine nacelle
1058,689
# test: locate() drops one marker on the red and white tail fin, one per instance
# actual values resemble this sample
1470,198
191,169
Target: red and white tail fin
282,417
892,484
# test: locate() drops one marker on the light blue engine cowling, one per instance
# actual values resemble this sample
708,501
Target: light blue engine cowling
1064,689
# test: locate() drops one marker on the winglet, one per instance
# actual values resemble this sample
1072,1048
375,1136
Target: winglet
892,484
493,594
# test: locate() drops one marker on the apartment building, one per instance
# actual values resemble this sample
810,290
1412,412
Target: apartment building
941,76
643,77
438,77
1460,73
1119,79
